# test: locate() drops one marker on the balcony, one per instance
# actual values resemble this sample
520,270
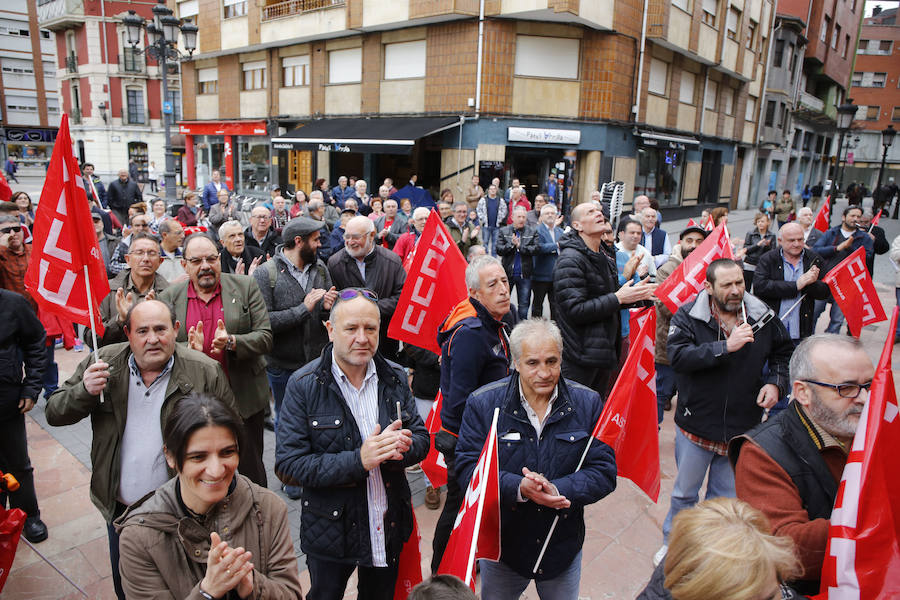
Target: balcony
75,116
289,8
71,64
810,102
132,61
60,14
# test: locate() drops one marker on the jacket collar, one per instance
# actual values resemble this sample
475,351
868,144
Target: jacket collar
756,308
512,404
382,368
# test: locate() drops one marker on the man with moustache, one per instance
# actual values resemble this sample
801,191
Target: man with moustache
790,466
718,345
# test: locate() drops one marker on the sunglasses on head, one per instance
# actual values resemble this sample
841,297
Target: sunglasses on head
351,293
11,230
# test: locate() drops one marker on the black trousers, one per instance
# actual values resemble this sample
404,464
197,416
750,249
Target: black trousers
541,290
14,459
113,538
251,464
328,580
593,377
446,443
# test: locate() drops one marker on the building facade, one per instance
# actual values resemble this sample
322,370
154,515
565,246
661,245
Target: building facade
577,93
29,104
111,91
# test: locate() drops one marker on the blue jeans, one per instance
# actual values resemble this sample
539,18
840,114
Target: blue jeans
490,240
523,293
693,463
665,388
499,582
836,317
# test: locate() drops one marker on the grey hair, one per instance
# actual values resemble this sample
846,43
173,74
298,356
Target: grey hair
534,328
419,211
316,195
548,208
801,364
473,271
520,208
228,225
476,249
10,219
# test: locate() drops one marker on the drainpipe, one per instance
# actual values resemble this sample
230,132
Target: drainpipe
640,76
462,121
480,53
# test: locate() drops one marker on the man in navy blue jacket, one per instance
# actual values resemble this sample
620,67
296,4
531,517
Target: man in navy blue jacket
544,424
211,190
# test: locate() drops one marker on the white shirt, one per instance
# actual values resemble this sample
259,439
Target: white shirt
536,422
646,257
143,465
363,403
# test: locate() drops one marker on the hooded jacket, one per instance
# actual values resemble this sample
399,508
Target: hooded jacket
587,310
717,389
474,352
163,550
21,340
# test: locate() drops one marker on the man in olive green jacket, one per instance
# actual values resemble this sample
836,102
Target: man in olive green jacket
225,316
140,382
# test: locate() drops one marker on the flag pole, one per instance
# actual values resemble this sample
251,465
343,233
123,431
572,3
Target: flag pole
492,435
792,307
87,288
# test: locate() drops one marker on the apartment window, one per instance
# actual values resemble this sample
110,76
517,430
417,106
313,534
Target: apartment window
254,75
895,114
728,100
872,113
12,30
209,80
778,54
235,8
750,42
784,116
856,79
345,66
405,60
750,110
770,113
538,56
659,77
884,47
684,5
878,79
45,34
862,47
709,12
846,46
732,23
686,91
712,96
295,71
826,24
175,98
795,142
835,36
135,106
188,8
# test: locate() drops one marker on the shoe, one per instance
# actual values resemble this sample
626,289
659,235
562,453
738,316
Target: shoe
432,498
660,555
34,531
269,424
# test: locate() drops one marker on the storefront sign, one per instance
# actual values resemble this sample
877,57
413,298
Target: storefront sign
22,134
334,147
278,146
543,136
223,128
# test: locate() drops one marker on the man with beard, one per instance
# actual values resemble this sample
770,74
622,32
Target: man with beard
790,466
225,317
239,257
718,345
360,263
690,238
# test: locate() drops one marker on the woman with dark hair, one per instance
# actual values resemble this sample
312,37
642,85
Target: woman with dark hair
26,208
322,186
758,242
207,532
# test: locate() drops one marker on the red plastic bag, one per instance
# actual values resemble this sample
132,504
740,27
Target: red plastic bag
11,524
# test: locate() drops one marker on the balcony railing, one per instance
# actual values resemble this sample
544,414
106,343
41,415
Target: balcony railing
132,61
289,8
71,64
75,116
811,102
135,117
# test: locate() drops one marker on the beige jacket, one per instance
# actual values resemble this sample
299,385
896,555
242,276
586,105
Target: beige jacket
163,551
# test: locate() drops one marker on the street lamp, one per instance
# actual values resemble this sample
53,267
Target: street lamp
162,33
887,138
845,114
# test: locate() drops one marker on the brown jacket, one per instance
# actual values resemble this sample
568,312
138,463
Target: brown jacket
663,314
163,551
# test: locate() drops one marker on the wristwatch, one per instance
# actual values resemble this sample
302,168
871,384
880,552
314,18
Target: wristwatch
231,344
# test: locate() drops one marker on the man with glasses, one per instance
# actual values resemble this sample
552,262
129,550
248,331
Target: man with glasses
790,466
140,223
357,513
138,282
225,317
259,233
15,255
360,263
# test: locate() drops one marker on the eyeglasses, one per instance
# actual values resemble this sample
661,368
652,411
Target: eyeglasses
263,217
355,237
11,230
844,390
139,226
351,293
143,253
197,260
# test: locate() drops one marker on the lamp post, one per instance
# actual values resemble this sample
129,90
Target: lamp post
845,114
887,138
162,33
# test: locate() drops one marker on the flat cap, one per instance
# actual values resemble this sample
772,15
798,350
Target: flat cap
300,226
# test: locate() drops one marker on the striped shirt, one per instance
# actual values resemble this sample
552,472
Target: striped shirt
363,403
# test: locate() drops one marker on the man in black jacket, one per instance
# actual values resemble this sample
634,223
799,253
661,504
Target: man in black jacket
588,300
259,234
21,341
237,256
122,193
718,345
341,439
517,243
360,263
880,245
786,273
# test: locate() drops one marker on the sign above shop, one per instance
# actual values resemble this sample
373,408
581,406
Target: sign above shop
31,134
543,136
222,127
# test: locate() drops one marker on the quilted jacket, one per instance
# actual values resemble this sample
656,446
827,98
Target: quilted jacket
318,447
524,525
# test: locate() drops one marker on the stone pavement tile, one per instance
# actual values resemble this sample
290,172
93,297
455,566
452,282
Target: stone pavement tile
71,534
65,506
96,552
617,572
99,590
39,580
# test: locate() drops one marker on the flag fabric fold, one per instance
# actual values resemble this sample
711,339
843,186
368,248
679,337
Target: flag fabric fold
687,279
66,275
434,465
854,292
862,559
409,564
823,216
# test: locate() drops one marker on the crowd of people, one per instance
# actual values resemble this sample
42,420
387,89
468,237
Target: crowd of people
221,323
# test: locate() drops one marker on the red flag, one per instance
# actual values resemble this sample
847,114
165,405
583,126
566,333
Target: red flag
823,216
409,565
436,282
476,533
636,319
875,219
5,190
434,465
863,555
687,279
65,246
710,223
692,223
11,523
854,292
628,421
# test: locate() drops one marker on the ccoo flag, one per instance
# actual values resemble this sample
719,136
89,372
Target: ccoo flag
687,279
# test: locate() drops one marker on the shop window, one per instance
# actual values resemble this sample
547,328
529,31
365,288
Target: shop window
659,174
345,66
209,80
549,57
137,151
709,12
135,107
732,23
872,113
254,75
686,91
710,176
659,77
405,60
295,71
234,8
253,168
684,5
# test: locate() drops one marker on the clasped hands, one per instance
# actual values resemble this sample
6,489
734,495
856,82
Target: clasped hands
227,569
538,489
382,446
